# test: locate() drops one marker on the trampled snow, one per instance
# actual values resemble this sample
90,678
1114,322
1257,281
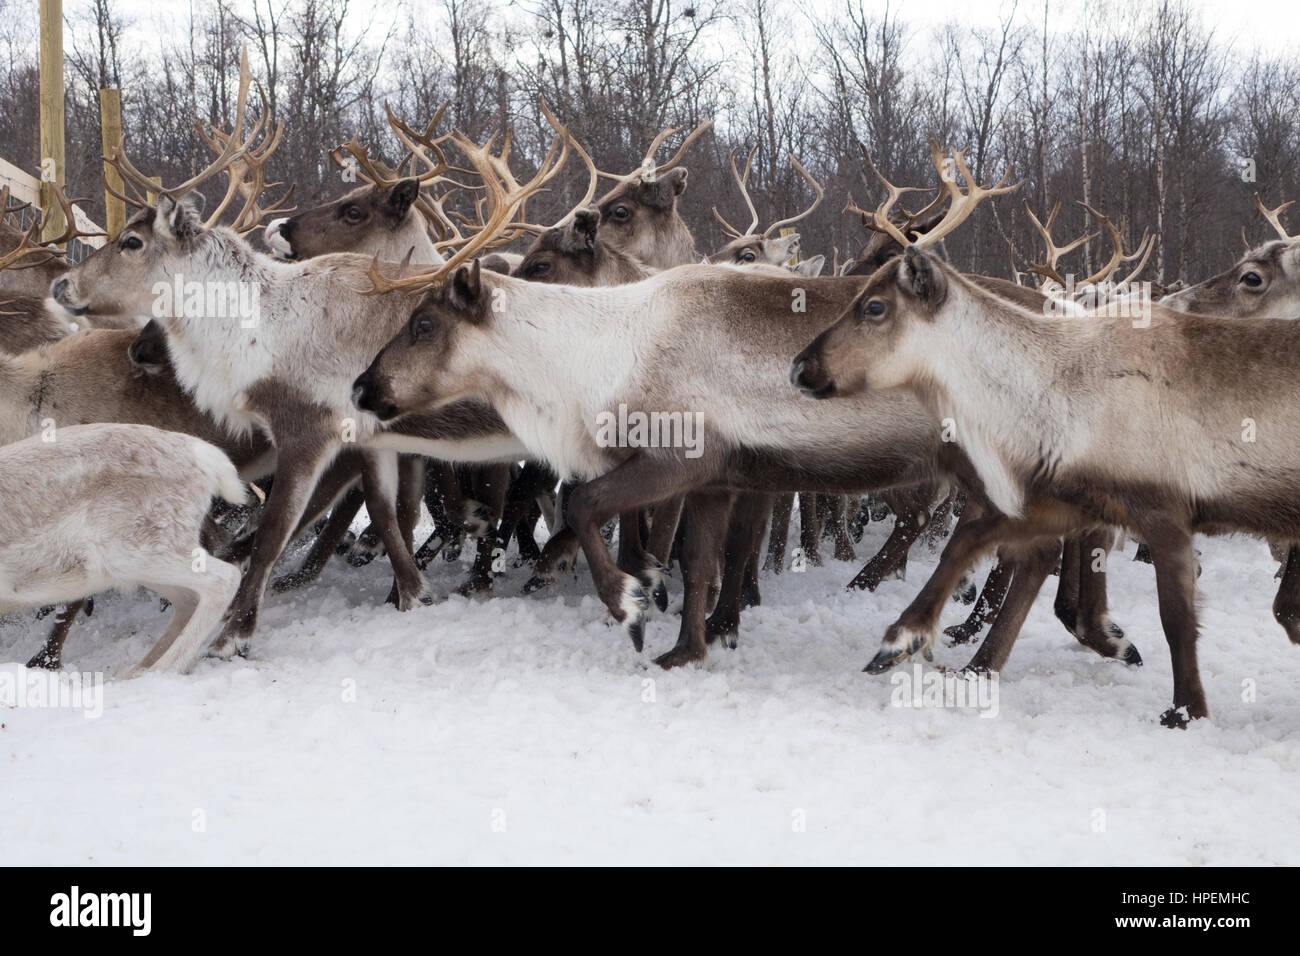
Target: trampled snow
523,729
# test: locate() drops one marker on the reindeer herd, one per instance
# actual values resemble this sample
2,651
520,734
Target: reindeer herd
400,359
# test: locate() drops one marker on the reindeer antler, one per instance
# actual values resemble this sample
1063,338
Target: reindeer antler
960,203
1272,216
504,197
742,180
247,171
1048,269
816,187
648,171
28,247
1116,248
233,149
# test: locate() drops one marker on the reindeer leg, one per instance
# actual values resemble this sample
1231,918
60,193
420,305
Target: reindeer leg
915,627
380,472
299,463
744,531
483,516
810,529
1286,605
912,514
988,604
1094,628
706,527
1175,564
50,656
835,510
782,509
637,482
1030,570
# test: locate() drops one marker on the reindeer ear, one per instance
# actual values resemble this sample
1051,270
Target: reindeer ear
585,223
148,350
401,197
467,288
179,218
811,267
920,278
676,178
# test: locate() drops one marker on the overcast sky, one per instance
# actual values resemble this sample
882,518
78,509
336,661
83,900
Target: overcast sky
1266,25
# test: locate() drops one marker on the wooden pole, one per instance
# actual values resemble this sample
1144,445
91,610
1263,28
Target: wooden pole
52,169
152,195
110,135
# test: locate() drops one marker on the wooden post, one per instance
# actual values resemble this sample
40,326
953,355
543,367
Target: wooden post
152,195
110,135
52,169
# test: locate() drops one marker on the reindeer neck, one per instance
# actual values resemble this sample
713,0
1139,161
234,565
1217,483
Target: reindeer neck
991,377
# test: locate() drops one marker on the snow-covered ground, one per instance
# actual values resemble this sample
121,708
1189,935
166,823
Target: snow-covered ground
517,729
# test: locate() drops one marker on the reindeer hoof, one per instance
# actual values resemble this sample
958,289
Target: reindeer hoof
1175,718
46,660
960,634
679,656
474,585
478,518
538,582
966,592
660,594
227,647
900,643
360,556
289,582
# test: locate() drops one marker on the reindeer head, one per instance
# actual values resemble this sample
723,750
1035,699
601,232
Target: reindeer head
116,282
751,247
378,218
887,337
638,216
1264,283
432,362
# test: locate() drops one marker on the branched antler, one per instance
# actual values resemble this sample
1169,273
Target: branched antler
1272,215
138,186
648,171
1048,269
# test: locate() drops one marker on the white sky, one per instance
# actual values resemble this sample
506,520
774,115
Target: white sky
1244,27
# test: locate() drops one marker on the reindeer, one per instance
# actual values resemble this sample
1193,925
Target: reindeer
26,318
118,506
107,376
388,216
1265,282
751,247
1044,413
291,376
694,337
639,229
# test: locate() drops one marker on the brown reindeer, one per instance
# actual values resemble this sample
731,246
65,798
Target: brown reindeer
1045,414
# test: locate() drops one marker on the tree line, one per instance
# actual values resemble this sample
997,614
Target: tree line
1146,115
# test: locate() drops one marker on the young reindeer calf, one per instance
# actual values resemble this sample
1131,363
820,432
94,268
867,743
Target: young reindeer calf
118,506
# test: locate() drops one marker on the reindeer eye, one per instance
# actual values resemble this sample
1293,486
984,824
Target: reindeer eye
874,309
352,213
1252,280
747,256
132,242
621,213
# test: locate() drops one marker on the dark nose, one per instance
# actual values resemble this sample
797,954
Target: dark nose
363,390
796,372
287,227
366,397
806,374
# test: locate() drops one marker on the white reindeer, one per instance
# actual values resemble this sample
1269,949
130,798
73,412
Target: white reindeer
117,506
